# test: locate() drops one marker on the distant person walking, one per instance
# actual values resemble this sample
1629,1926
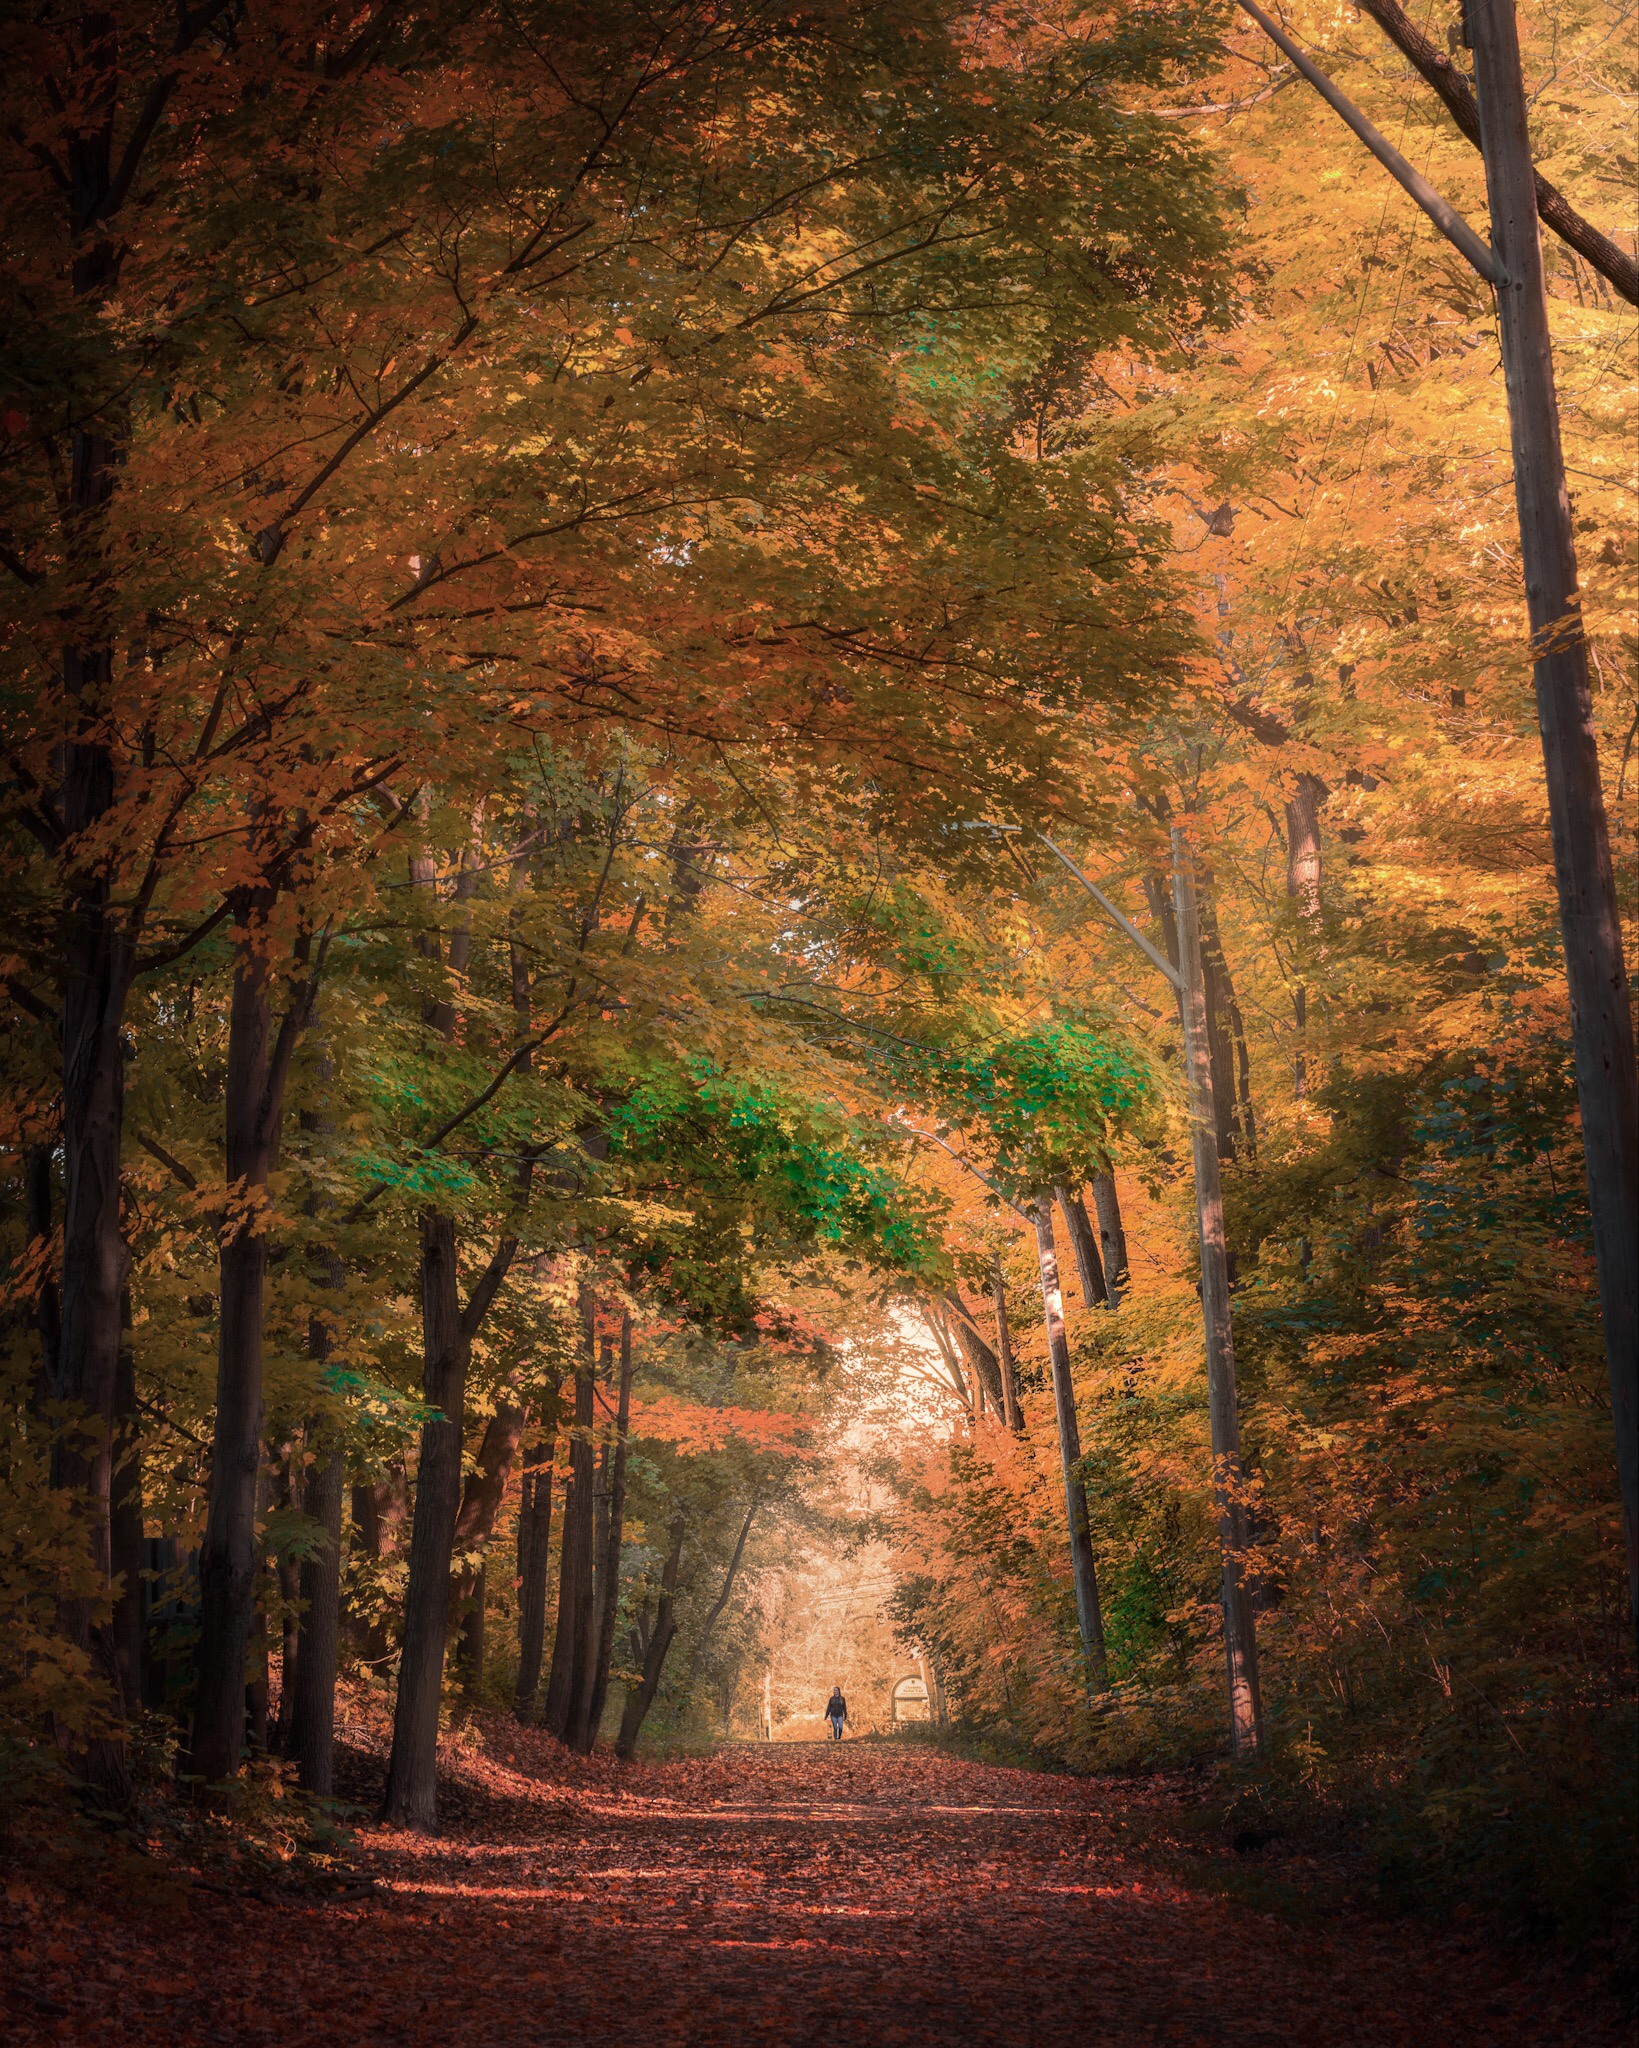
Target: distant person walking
836,1712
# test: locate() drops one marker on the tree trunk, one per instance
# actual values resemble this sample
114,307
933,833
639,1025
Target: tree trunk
574,1568
470,1646
1004,1349
534,1540
608,1607
313,1710
1089,1260
412,1771
228,1561
1601,1020
475,1523
1226,1034
125,1521
1112,1237
982,1361
1240,1640
1303,882
576,1571
379,1512
256,1684
290,1607
40,1228
659,1641
96,982
1082,1568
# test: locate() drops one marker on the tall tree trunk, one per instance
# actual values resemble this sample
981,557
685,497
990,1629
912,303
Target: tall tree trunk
609,1578
1590,927
290,1598
1084,1243
1226,1036
96,982
256,1684
659,1641
1303,883
48,1311
447,1333
1004,1349
1083,1571
1240,1638
534,1539
313,1712
311,1723
258,1067
582,1732
574,1566
125,1520
1231,1069
1111,1236
412,1771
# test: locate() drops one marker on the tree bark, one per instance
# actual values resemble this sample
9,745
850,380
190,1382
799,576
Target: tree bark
448,1331
1004,1349
1601,1020
1083,1570
470,1644
1303,884
125,1521
534,1539
656,1645
608,1606
258,1068
412,1771
48,1313
1240,1639
290,1604
1231,1067
1112,1236
379,1510
313,1714
474,1524
1095,1292
982,1361
574,1565
96,983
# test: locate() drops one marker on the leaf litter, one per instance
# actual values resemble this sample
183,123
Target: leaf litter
872,1893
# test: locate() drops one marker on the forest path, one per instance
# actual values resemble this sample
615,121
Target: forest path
846,1897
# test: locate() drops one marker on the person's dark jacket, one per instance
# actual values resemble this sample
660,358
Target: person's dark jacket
836,1707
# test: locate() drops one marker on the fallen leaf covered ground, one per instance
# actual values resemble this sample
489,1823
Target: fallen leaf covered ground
870,1894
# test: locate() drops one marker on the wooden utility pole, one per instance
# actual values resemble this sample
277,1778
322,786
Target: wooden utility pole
1607,1089
1082,1567
1601,1020
1240,1636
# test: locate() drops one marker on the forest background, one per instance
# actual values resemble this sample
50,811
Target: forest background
564,565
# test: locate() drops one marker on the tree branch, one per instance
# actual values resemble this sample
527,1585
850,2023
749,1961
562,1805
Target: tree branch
1615,265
